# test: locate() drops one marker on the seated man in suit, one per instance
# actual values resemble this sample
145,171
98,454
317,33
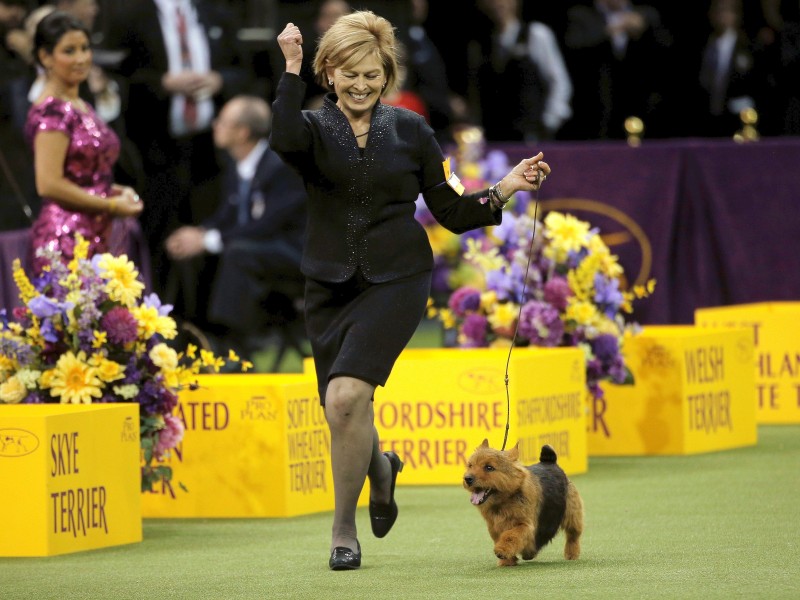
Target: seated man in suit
251,246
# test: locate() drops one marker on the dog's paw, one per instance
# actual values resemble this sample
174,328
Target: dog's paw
572,551
505,552
507,562
529,554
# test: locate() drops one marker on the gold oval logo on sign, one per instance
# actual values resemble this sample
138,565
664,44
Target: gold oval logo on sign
17,442
629,230
481,381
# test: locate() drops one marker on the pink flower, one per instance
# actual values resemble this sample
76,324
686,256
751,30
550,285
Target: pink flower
170,436
120,325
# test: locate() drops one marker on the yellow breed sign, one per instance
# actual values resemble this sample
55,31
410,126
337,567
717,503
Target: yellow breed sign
694,392
439,404
775,327
254,446
70,476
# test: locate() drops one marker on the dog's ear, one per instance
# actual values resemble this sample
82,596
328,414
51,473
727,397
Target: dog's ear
485,443
513,454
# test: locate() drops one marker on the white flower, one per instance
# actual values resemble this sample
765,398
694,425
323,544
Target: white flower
127,391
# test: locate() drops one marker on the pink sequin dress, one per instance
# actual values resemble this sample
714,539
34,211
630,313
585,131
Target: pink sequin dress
93,149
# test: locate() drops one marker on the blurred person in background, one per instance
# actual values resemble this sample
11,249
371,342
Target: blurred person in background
521,88
16,70
327,13
778,61
617,55
725,76
181,63
251,246
426,74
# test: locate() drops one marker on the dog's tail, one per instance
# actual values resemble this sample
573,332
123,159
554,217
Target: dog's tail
548,455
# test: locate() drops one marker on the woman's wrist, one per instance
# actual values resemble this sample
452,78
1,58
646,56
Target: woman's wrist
111,209
496,196
294,66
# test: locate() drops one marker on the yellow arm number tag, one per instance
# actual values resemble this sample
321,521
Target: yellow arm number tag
452,179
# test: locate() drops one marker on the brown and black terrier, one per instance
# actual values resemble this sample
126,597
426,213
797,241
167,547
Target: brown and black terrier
524,506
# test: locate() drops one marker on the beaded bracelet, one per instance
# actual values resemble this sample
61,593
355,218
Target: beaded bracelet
496,197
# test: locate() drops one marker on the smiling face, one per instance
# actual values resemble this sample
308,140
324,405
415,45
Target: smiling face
358,86
70,60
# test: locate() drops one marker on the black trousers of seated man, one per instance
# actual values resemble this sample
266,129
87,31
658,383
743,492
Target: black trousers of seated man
235,296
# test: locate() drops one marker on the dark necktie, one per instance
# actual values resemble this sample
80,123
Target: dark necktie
243,206
190,105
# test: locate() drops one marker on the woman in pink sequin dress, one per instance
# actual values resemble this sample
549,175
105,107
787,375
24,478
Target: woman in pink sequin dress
74,150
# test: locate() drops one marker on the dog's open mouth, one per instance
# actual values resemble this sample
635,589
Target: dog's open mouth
480,496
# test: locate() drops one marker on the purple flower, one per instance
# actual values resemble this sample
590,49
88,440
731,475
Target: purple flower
133,374
594,369
153,301
120,325
440,280
465,300
44,307
541,324
474,329
557,292
605,347
496,165
44,280
499,282
607,294
576,258
506,231
507,285
33,398
618,371
48,331
155,398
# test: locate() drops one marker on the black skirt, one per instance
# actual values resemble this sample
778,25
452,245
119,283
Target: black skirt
358,329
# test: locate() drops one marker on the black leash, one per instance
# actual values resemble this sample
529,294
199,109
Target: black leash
519,316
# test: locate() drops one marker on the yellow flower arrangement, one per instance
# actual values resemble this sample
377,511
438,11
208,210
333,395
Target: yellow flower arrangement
86,333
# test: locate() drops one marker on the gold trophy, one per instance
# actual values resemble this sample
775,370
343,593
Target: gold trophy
748,132
635,128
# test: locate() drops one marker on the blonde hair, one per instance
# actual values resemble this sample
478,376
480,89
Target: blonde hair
351,39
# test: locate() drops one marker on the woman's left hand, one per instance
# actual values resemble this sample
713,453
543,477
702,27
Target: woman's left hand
528,175
124,190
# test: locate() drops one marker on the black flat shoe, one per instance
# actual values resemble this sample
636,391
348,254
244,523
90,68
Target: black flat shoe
344,559
383,516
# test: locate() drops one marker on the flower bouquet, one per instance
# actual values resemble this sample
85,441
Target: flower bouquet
85,334
559,288
476,169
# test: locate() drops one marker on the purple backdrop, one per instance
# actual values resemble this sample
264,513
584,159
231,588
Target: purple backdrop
714,222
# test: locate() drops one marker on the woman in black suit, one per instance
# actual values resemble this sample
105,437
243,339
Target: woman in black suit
367,261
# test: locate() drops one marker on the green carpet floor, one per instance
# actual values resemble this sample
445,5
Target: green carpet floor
720,525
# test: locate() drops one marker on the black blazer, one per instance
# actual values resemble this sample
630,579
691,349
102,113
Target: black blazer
277,204
361,207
